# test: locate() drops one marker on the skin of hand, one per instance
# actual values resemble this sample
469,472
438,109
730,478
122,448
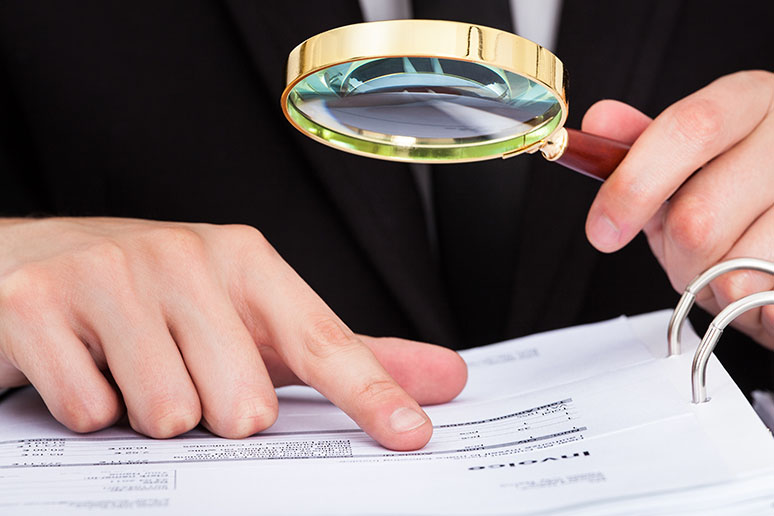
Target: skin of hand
185,323
699,180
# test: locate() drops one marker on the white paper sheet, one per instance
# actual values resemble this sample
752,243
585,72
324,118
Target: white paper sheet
583,419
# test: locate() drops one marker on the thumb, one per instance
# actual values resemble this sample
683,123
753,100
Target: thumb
615,120
618,121
430,374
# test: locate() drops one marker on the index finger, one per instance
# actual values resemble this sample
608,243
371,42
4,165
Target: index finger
319,348
678,142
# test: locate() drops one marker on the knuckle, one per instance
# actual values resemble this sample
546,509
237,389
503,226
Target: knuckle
736,285
630,191
244,232
178,253
697,121
249,241
24,290
169,418
174,244
250,416
85,418
327,337
105,265
378,389
691,225
106,256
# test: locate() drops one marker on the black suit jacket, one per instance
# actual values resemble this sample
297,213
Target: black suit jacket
170,110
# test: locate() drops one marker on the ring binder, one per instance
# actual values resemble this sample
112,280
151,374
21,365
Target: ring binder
715,330
719,323
697,284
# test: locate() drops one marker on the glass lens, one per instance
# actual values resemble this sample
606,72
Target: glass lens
424,108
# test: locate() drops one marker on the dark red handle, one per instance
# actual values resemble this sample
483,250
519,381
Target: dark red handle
591,155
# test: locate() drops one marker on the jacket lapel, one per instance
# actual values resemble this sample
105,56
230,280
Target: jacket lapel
605,44
378,200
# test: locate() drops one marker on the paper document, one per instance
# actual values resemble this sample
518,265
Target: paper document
591,419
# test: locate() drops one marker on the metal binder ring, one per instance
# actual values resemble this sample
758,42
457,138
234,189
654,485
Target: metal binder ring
707,345
698,283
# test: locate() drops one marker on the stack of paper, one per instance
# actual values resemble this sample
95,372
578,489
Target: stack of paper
586,420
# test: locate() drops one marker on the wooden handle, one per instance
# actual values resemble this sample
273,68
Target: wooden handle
591,155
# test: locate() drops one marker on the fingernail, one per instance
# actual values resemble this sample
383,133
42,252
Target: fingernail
405,419
603,232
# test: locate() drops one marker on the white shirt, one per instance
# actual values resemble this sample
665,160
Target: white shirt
536,20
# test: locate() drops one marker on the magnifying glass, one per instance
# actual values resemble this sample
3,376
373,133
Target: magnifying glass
434,91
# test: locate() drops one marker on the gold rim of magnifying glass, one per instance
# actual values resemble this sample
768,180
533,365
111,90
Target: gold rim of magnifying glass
434,39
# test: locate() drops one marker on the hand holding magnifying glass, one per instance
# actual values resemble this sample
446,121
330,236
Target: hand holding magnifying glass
444,92
437,92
